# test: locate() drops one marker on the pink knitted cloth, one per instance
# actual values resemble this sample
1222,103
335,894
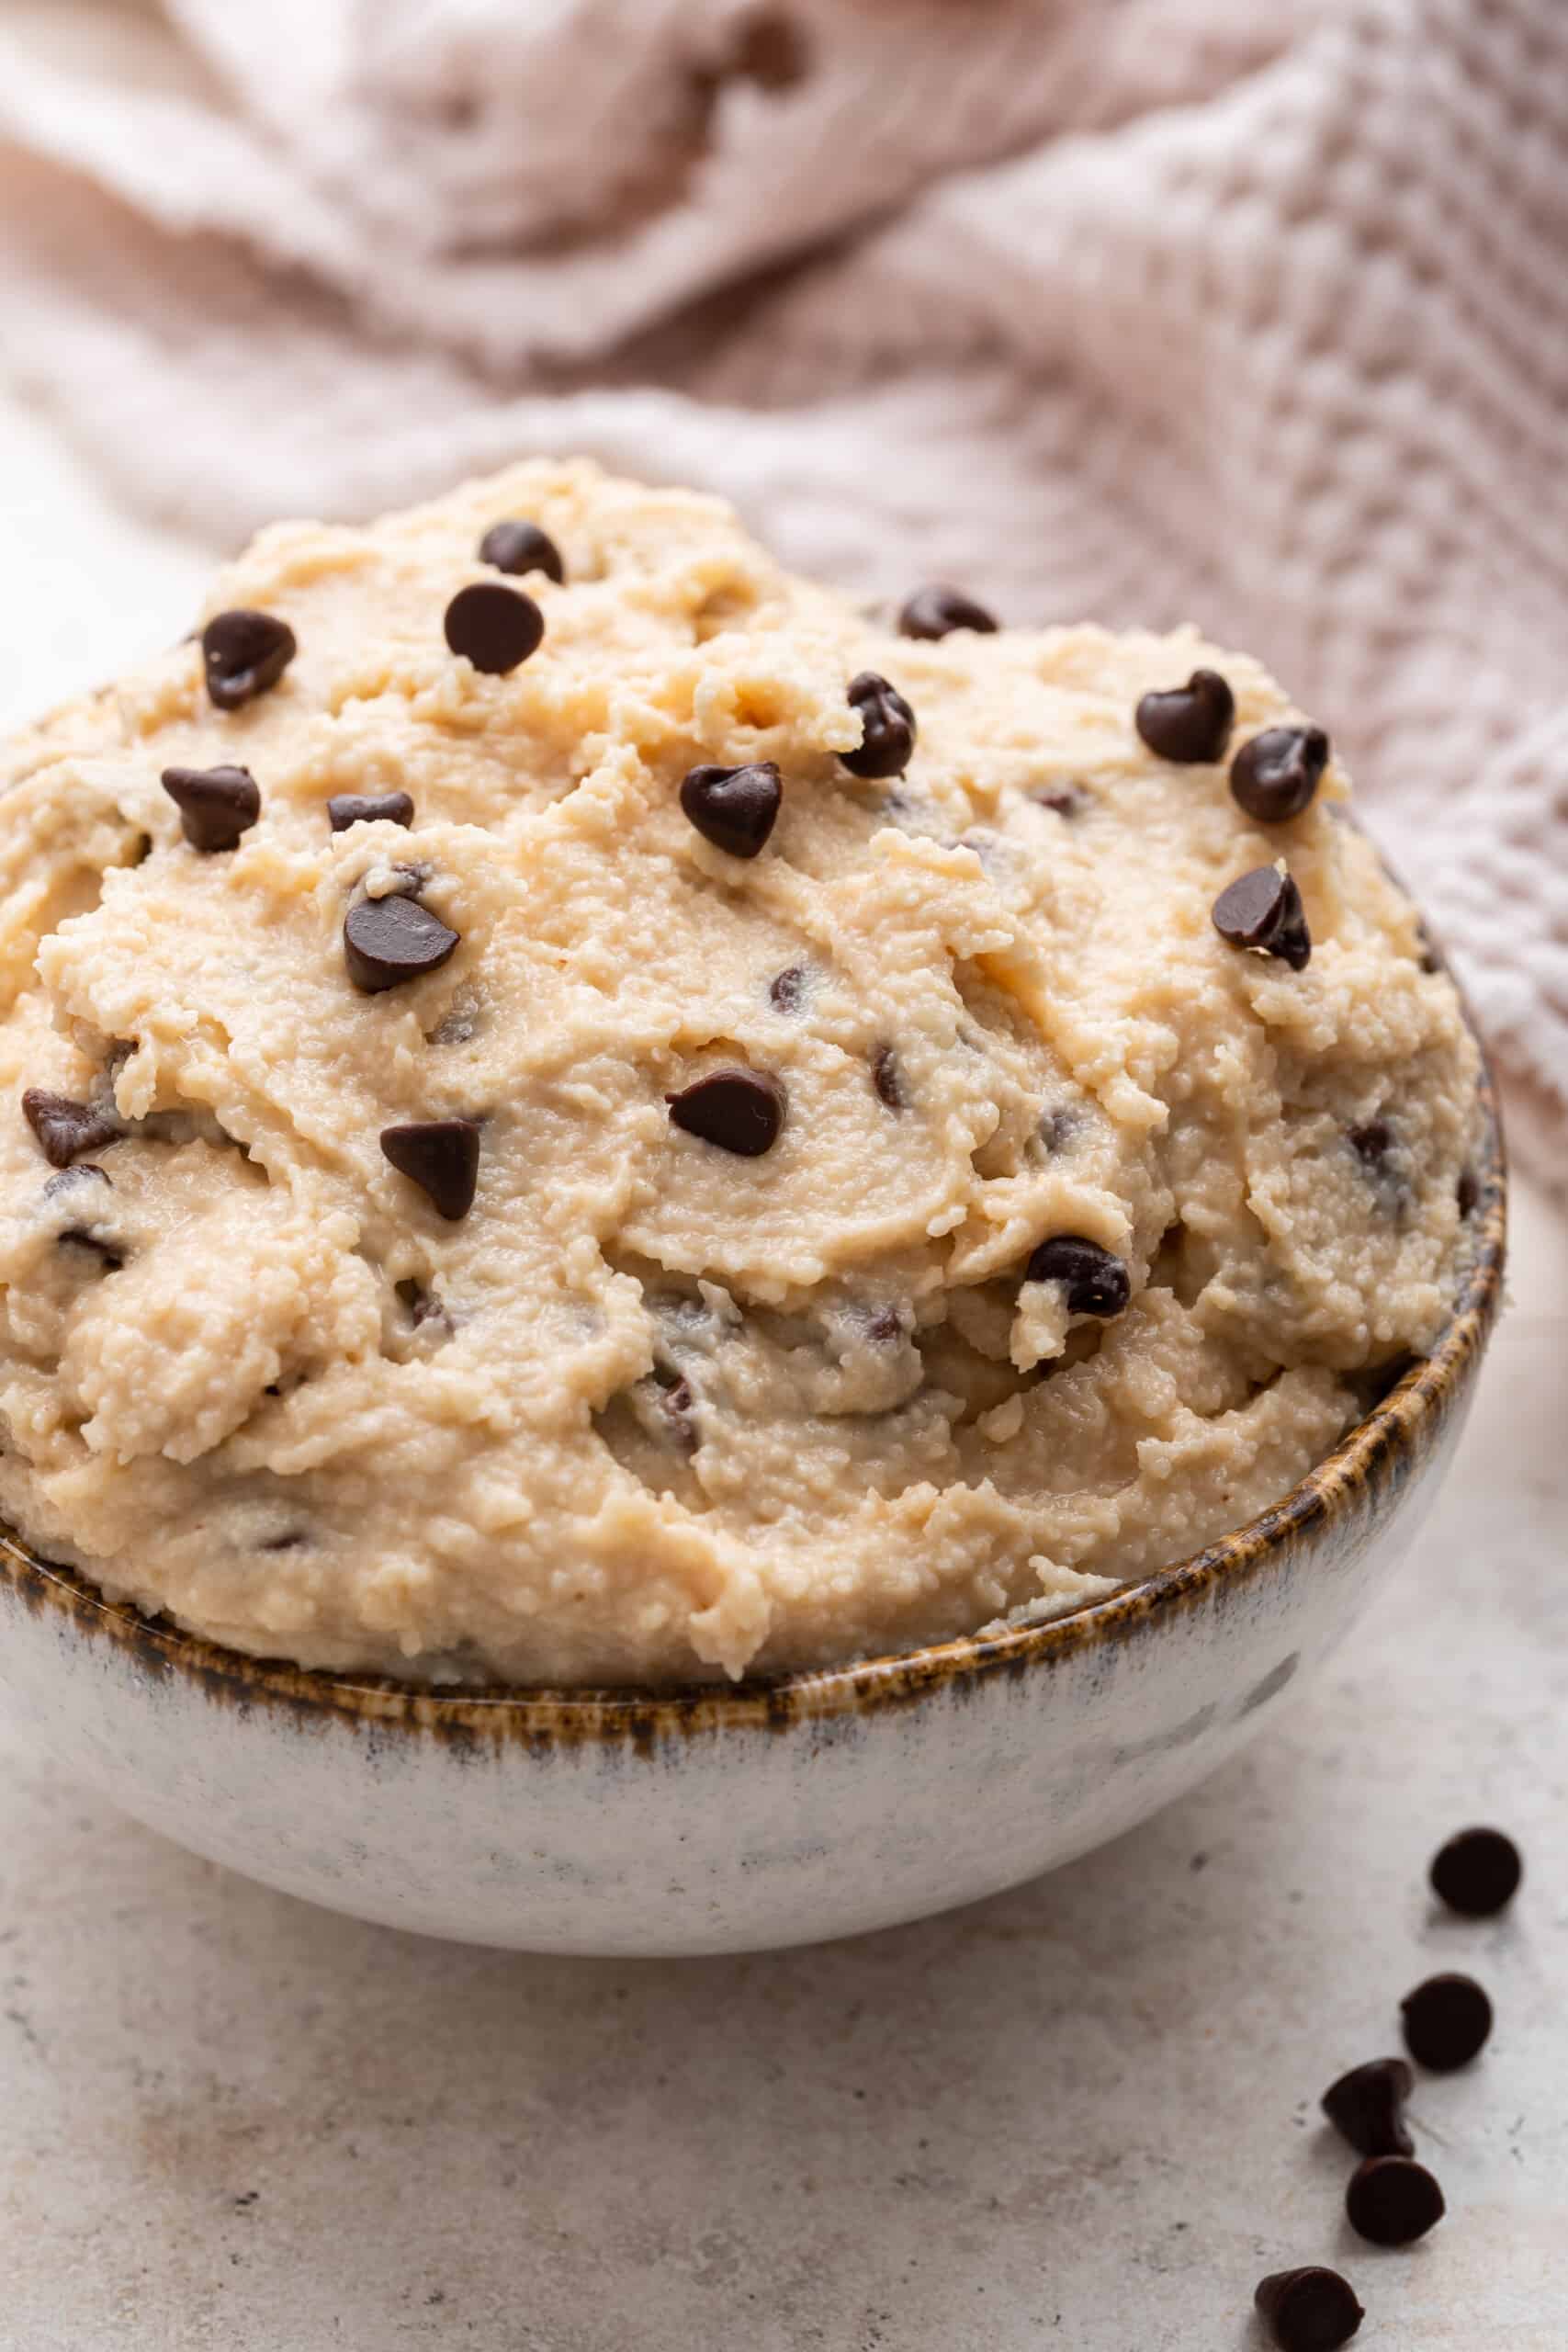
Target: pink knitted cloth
1252,311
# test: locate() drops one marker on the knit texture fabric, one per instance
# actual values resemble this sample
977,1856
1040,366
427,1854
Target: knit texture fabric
1251,312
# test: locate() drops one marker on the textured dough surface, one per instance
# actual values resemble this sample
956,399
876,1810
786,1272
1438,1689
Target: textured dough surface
253,1379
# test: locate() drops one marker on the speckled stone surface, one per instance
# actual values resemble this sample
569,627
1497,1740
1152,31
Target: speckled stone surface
1083,2114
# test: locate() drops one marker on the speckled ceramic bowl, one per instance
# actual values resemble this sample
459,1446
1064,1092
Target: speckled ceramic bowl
736,1818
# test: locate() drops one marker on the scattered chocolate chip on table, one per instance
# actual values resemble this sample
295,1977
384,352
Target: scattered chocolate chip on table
1309,2310
1447,2022
1477,1873
1393,2201
1366,2107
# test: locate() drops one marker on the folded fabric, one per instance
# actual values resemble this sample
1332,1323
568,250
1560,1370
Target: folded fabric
1250,312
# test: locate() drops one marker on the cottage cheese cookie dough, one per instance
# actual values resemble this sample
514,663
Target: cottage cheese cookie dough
571,1108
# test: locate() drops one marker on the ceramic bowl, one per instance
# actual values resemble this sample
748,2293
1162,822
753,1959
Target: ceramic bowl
764,1814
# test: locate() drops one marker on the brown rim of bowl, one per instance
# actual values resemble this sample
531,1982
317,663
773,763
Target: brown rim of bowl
1371,1458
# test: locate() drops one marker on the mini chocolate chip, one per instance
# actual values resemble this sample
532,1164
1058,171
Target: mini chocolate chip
1191,723
1096,1283
740,1110
1274,777
1066,800
785,991
886,1328
1467,1191
884,1078
1367,2108
1372,1142
71,1180
345,809
888,724
736,808
245,652
1393,2201
65,1129
1263,910
79,1237
1310,2310
216,805
676,1405
1477,1872
492,627
519,547
423,1306
1446,2020
937,611
388,941
442,1157
294,1539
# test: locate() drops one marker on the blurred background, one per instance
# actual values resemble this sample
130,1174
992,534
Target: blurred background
1248,311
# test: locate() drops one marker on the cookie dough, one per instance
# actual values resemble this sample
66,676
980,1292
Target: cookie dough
577,1110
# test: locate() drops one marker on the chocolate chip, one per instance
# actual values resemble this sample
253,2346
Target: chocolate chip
937,611
736,808
345,809
492,627
1393,2201
71,1180
1372,1142
423,1306
1095,1282
1477,1872
519,547
740,1110
1191,723
1066,800
886,1328
388,941
1273,777
442,1157
1366,2107
65,1129
245,652
888,725
784,992
677,1406
1310,2310
1446,2020
1467,1191
1264,911
884,1078
216,805
80,1238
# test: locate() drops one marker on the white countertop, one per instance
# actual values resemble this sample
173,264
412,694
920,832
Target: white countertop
1081,2115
